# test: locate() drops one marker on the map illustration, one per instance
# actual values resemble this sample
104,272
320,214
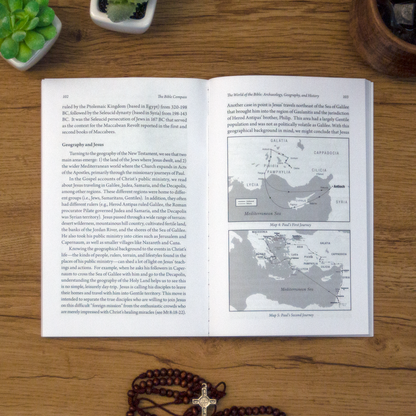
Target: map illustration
288,179
289,270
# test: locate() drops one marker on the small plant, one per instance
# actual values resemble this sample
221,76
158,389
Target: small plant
120,10
25,26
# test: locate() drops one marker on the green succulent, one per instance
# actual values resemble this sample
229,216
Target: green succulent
120,10
25,26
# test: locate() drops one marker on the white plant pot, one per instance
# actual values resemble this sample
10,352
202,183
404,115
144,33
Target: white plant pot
38,55
135,26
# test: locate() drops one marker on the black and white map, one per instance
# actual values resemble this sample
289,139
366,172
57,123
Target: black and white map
288,179
289,270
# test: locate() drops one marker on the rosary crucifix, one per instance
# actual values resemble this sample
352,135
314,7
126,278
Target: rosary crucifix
204,401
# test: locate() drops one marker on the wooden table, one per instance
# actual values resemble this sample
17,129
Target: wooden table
204,39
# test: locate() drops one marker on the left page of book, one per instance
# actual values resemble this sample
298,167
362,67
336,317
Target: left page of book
124,185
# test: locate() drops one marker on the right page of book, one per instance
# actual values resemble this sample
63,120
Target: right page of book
290,206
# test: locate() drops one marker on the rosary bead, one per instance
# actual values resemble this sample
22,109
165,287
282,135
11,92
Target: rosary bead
149,383
186,400
175,394
169,381
156,381
148,390
142,385
241,411
131,393
163,372
262,410
190,393
255,410
197,387
276,412
170,372
149,374
163,392
176,373
190,385
269,410
195,410
184,383
132,409
130,414
183,374
136,388
249,411
156,373
169,393
163,382
189,376
195,379
226,412
177,381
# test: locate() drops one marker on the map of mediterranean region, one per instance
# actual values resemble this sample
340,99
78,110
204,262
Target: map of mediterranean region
288,179
289,270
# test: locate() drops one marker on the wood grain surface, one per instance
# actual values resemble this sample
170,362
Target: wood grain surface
204,39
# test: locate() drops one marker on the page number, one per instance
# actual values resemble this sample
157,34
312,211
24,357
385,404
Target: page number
65,96
346,96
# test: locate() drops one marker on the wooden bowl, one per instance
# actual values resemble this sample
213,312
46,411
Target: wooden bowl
377,45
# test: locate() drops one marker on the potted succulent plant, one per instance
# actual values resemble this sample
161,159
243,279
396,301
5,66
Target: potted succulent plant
384,32
128,16
28,29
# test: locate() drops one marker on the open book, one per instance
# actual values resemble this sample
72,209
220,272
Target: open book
238,206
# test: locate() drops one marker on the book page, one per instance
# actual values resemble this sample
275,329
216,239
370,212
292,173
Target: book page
290,206
124,212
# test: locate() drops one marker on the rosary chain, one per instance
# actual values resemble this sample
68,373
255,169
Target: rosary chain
157,382
249,411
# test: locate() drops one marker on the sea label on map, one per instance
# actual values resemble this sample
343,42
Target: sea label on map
288,179
289,270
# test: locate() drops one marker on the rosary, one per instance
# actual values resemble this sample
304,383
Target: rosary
196,391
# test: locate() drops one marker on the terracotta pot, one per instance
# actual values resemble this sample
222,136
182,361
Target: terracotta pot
384,51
